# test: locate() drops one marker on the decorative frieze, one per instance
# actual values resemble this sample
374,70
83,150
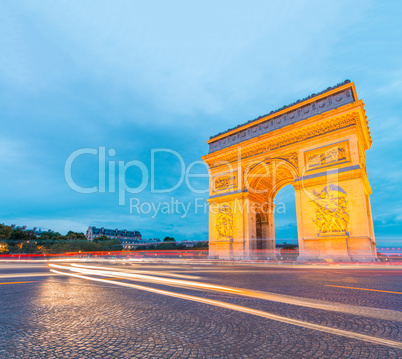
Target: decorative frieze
291,138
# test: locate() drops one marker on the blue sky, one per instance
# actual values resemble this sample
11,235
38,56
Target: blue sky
133,77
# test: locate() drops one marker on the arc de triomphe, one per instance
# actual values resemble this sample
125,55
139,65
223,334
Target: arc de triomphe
318,146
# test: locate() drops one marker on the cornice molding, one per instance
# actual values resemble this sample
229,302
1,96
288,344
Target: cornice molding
330,99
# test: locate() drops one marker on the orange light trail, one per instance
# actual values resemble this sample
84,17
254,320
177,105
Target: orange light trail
371,290
30,281
25,275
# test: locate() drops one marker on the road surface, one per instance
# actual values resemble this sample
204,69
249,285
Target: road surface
162,310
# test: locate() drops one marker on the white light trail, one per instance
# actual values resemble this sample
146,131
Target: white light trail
141,277
163,274
376,313
321,328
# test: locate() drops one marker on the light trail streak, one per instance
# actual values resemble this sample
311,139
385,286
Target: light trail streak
146,278
164,274
372,290
26,275
38,261
376,313
23,265
259,313
30,281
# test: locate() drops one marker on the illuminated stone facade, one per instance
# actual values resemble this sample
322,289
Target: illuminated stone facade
317,145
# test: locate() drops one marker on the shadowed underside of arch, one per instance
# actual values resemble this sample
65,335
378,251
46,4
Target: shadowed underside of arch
265,178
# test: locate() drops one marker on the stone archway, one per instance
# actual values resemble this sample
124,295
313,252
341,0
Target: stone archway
318,146
262,181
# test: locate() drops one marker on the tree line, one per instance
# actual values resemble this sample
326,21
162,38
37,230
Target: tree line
18,241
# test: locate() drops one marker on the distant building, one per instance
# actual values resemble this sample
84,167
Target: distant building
122,235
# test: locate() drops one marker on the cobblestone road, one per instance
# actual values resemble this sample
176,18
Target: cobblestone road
57,316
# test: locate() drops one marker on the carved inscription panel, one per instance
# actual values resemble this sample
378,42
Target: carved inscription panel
333,154
225,182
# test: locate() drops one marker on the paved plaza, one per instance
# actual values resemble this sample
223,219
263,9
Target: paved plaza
162,310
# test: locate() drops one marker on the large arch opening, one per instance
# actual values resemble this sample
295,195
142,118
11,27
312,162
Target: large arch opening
264,180
285,217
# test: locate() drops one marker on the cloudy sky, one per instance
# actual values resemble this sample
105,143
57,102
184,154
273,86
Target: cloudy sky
131,76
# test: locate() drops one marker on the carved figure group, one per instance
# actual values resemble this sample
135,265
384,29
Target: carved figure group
224,223
331,210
